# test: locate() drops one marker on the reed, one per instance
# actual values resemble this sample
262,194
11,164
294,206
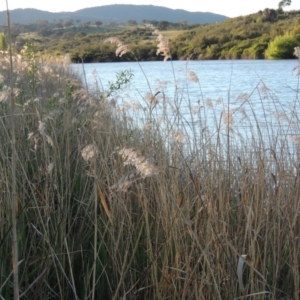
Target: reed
110,208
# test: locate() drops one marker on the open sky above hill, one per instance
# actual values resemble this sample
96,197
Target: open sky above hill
230,8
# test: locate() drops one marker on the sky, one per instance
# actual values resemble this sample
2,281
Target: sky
229,8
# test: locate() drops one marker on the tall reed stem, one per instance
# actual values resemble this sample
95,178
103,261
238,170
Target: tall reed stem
95,229
14,200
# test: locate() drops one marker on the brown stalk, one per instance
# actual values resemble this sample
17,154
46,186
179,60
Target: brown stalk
14,200
105,205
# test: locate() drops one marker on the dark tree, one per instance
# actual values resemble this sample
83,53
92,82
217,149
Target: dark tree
284,3
60,25
163,25
69,23
98,23
87,24
269,15
43,27
131,22
183,24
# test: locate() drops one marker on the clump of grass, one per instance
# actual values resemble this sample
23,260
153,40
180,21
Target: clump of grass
113,209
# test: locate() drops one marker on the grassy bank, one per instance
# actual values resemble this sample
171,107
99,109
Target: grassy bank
111,210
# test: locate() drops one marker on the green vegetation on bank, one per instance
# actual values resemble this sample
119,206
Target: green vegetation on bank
245,37
84,41
266,34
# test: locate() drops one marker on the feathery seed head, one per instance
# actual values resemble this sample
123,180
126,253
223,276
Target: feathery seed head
50,168
121,50
121,47
49,140
89,152
145,167
148,126
125,181
209,103
228,118
192,76
163,46
30,135
297,52
151,99
178,135
4,94
82,97
41,128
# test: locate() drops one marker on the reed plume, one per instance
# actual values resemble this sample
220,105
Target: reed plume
121,47
163,48
297,52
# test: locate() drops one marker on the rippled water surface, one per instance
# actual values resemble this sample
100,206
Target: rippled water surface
244,93
217,78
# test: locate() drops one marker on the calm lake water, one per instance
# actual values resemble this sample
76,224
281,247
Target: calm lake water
217,78
240,92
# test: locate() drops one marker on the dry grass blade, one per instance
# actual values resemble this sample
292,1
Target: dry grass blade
180,199
243,258
105,205
8,277
255,294
241,262
34,282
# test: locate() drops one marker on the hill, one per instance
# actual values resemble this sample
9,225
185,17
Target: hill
123,13
266,34
114,13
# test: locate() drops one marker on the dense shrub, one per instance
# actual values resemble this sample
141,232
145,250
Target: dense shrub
282,47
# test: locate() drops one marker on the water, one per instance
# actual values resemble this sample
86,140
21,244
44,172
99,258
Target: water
217,78
237,93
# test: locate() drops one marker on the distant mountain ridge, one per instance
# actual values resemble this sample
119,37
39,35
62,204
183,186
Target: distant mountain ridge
118,13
